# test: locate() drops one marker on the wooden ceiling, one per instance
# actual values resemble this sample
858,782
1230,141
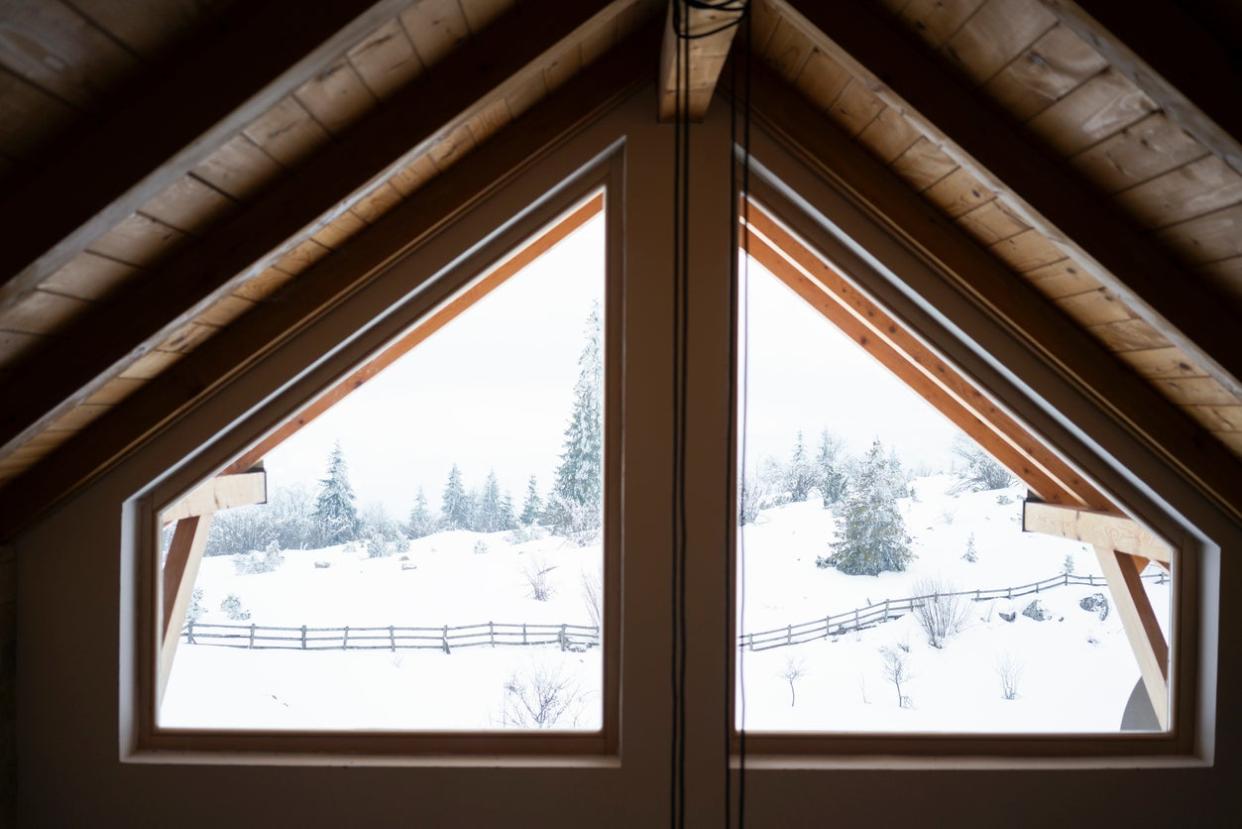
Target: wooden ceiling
1129,213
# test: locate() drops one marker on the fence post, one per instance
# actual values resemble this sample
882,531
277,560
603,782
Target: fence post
827,625
392,638
491,633
189,633
345,639
445,640
1091,579
788,634
855,618
752,641
886,616
1009,593
564,638
252,635
303,637
524,642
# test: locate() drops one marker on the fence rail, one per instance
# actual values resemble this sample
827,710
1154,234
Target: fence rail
580,637
391,637
861,618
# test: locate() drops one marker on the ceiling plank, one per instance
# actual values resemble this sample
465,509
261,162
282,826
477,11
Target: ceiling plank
1152,46
194,278
709,33
1040,188
159,134
145,411
1075,353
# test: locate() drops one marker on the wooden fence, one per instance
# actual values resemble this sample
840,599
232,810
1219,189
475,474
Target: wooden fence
861,618
580,637
390,638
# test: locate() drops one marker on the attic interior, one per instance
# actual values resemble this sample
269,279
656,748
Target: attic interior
224,218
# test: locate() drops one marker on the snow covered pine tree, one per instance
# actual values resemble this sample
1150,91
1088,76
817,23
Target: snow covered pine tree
532,507
336,519
872,533
574,507
421,523
455,503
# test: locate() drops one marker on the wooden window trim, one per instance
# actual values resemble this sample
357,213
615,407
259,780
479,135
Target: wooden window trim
787,191
429,300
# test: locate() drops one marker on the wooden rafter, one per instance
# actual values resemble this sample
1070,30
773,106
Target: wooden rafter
161,133
535,135
916,365
225,491
1096,528
1011,301
1123,549
1038,186
168,297
1152,46
185,553
710,34
499,275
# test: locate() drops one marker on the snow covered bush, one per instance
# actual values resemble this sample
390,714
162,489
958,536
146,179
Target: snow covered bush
480,547
196,610
939,613
232,608
1010,672
1067,566
573,520
254,562
541,697
239,529
872,532
971,555
979,472
536,575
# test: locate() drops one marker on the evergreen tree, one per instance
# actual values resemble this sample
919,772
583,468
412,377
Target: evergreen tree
454,503
799,477
872,534
577,496
829,476
505,518
336,519
487,517
421,523
533,505
971,554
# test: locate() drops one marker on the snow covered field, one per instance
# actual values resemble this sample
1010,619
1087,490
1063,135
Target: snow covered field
1074,671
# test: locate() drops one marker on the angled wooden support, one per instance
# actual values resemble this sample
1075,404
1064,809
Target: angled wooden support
157,135
1096,528
1030,179
979,278
193,515
1169,56
95,348
220,493
185,553
916,365
707,36
1138,619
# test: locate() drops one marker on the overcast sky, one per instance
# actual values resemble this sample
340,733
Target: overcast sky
493,389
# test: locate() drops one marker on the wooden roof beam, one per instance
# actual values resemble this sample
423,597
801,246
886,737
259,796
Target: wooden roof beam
227,491
495,164
708,36
1016,304
168,297
1096,528
214,89
1165,53
1045,193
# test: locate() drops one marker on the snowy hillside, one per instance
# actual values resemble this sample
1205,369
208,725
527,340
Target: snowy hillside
1073,671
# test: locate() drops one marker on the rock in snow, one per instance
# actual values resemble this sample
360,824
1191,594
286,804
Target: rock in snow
1008,617
1035,610
1095,603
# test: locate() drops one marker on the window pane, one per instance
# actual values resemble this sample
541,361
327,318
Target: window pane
888,585
430,554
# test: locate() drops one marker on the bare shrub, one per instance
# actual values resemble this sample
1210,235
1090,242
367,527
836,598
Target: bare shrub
979,472
539,698
938,612
536,575
259,562
897,671
232,608
794,670
1010,672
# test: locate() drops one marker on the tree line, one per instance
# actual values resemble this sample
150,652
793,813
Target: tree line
572,507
